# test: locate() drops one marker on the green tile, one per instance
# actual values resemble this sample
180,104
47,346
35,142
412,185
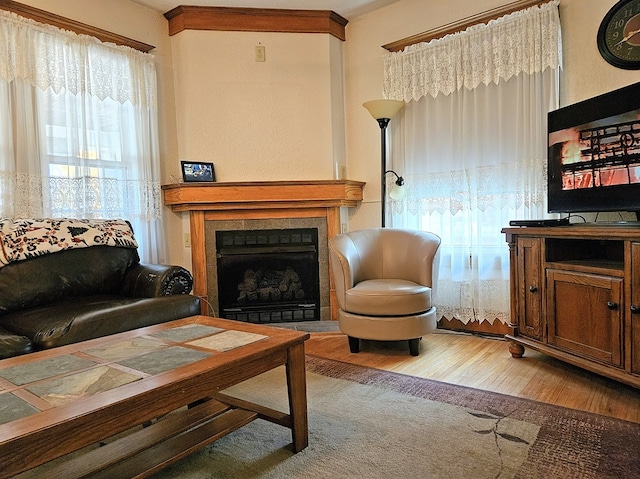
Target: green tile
186,333
46,368
159,361
12,408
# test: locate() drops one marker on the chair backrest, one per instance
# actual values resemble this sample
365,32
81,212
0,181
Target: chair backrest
385,253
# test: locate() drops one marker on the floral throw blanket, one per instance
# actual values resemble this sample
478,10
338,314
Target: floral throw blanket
27,238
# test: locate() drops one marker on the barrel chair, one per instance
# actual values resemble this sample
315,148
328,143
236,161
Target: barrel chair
385,283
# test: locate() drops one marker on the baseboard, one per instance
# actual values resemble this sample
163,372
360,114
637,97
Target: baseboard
498,328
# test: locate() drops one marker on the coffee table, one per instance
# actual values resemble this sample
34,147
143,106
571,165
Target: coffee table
168,378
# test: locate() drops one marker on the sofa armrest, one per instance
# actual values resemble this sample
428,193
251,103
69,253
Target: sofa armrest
13,344
153,280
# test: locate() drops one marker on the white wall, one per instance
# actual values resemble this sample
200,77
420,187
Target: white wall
586,73
267,120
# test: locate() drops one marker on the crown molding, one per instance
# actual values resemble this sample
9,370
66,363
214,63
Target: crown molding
255,20
48,18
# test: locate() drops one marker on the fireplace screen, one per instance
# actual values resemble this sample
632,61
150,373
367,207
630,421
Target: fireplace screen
267,276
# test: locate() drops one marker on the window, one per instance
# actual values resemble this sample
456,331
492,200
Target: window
78,130
471,144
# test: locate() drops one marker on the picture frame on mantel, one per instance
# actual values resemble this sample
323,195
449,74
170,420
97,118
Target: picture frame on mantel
197,172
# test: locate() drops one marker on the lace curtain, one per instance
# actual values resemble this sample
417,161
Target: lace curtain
471,144
78,130
528,41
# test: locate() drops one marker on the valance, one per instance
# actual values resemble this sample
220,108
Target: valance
526,41
48,57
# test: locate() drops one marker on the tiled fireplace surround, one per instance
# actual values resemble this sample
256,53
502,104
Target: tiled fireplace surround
210,228
260,205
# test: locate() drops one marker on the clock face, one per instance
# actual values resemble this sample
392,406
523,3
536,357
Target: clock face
619,35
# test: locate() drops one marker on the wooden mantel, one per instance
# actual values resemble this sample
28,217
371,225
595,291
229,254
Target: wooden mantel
257,200
253,195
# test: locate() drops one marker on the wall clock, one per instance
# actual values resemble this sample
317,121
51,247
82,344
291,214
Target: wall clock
619,35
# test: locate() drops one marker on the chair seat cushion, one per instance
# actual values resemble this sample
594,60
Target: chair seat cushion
388,297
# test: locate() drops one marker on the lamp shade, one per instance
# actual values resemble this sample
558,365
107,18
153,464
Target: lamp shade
398,192
383,108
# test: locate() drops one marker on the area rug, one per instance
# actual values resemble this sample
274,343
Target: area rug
367,423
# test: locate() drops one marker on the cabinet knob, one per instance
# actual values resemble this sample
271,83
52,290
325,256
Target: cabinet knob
533,289
612,305
635,309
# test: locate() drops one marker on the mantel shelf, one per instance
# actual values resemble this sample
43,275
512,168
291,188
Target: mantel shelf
255,195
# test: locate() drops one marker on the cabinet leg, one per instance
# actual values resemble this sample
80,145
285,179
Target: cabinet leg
516,350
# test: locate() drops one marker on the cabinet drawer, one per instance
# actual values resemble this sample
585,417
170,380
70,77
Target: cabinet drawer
585,314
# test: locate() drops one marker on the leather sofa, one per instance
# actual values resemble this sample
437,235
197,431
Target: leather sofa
79,294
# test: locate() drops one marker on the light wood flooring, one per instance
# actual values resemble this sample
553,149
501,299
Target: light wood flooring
485,363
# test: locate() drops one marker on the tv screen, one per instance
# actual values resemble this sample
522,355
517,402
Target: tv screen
594,154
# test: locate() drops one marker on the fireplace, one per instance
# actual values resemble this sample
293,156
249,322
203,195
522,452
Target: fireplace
255,205
268,275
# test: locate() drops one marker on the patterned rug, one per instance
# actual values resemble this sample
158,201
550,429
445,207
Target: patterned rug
374,424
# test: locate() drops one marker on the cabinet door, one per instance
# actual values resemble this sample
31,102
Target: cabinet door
634,352
530,288
584,314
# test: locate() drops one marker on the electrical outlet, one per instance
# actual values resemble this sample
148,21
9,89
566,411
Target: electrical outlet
187,240
343,228
261,54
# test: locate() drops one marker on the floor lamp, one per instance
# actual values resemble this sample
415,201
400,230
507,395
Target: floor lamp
383,111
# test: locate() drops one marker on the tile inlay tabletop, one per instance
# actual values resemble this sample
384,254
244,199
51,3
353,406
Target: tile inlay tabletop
66,398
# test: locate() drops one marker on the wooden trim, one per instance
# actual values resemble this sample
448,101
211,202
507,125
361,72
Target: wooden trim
48,18
479,327
255,20
259,195
462,25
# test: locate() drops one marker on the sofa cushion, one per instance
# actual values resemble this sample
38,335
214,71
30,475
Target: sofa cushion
76,272
77,319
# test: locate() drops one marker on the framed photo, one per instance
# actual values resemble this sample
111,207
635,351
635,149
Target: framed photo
194,171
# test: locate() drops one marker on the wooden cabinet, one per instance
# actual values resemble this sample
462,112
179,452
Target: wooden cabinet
575,295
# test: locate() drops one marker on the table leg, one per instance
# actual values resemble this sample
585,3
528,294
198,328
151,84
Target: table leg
297,386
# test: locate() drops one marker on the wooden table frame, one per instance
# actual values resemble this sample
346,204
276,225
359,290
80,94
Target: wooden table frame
42,437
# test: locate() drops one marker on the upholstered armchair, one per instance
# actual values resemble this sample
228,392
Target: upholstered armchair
385,281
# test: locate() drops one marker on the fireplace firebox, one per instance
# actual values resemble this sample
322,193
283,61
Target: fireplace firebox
268,276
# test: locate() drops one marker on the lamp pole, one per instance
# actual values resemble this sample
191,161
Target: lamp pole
383,111
383,122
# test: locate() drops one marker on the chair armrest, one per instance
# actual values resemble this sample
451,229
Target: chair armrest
345,265
153,280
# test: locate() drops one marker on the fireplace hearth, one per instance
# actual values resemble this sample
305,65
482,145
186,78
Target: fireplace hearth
268,276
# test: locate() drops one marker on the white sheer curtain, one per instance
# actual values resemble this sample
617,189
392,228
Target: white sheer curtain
78,130
471,144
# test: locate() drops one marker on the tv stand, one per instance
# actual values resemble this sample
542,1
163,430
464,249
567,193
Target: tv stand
612,224
575,295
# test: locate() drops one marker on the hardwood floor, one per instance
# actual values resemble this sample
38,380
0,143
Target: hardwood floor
485,363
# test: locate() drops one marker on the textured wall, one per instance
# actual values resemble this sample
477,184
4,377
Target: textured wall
267,120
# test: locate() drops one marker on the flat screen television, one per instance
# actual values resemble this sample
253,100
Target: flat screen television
594,154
